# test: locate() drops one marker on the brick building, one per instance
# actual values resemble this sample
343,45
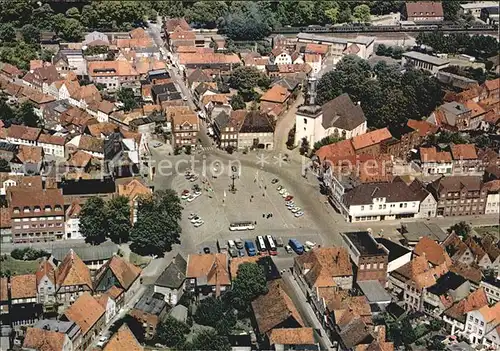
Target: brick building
459,195
369,257
37,215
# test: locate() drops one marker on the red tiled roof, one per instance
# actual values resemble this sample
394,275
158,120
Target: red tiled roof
424,8
23,286
432,251
430,154
422,127
43,340
464,152
276,94
371,138
85,312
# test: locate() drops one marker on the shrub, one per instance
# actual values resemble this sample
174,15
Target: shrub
28,254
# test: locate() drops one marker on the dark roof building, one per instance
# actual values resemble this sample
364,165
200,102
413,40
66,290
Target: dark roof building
174,275
257,122
342,113
393,192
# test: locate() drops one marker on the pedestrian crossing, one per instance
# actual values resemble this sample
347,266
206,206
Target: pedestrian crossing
208,148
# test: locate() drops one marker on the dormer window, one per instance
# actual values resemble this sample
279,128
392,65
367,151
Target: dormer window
58,208
47,209
16,210
37,209
26,210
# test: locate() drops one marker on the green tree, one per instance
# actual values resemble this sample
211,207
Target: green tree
188,149
332,14
345,15
237,102
7,114
211,310
30,33
246,22
7,33
381,50
42,16
118,219
245,78
157,227
304,146
436,324
397,52
4,165
171,332
207,13
126,96
362,13
93,224
26,114
209,340
451,9
72,30
462,229
73,12
17,12
250,282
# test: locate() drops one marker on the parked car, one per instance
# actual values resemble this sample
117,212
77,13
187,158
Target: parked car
299,214
239,243
282,191
195,219
310,244
296,246
199,223
274,181
250,246
192,215
288,249
186,196
289,198
233,252
279,242
191,198
296,209
279,188
206,250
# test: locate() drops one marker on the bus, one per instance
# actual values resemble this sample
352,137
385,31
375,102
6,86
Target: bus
261,244
241,226
271,245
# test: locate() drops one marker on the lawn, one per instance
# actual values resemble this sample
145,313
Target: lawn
18,266
138,260
483,231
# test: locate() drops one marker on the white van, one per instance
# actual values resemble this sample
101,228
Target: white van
231,244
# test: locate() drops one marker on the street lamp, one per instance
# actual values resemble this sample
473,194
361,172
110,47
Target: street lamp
232,188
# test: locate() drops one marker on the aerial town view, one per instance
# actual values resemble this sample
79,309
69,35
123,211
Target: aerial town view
249,175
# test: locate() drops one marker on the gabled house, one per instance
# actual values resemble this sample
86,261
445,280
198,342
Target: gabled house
292,338
435,162
275,310
185,129
28,160
22,135
171,282
280,57
24,307
89,315
408,282
86,143
323,267
46,282
46,340
109,305
339,117
207,274
465,160
120,273
123,339
449,288
482,326
455,315
72,279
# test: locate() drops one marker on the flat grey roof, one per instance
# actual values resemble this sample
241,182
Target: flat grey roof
426,58
151,302
414,231
88,252
374,291
335,40
477,5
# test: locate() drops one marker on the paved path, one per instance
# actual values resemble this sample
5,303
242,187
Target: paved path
285,124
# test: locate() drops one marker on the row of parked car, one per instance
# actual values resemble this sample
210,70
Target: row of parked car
262,245
289,203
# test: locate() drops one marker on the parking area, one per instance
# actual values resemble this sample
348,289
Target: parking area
254,200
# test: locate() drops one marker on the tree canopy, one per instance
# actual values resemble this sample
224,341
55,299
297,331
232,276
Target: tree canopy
118,219
126,96
209,340
93,224
171,332
390,99
157,227
250,282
